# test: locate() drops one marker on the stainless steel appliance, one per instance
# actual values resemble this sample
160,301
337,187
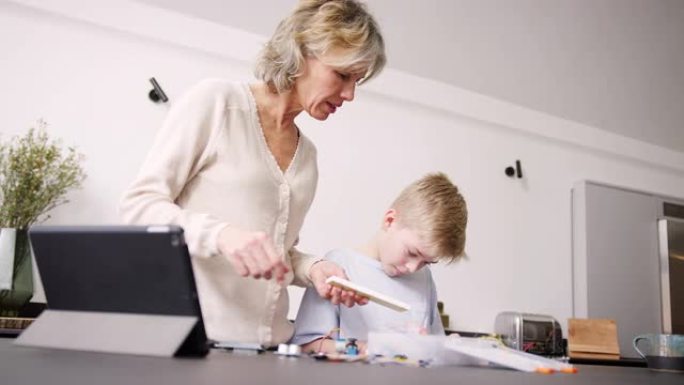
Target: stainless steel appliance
671,247
531,333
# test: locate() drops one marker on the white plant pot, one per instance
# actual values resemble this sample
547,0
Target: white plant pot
8,238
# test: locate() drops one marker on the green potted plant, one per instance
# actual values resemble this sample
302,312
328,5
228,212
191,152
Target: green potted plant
35,174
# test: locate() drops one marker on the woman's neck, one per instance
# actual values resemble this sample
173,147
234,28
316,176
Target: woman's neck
277,111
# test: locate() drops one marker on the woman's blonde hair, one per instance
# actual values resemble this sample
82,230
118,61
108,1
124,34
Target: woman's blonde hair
434,208
343,28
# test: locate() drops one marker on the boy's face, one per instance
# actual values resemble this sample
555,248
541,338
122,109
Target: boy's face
401,250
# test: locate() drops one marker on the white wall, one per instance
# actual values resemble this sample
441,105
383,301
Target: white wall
86,74
618,64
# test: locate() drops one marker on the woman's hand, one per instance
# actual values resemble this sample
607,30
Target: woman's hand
320,271
252,254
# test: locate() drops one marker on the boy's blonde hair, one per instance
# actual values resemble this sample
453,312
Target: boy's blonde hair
433,207
318,27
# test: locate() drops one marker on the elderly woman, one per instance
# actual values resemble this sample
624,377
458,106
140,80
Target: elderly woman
233,169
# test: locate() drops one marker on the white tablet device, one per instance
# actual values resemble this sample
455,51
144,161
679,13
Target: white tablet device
373,295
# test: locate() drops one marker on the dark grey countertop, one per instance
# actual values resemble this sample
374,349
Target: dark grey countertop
34,366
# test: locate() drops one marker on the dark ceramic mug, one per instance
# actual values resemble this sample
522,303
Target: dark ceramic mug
661,351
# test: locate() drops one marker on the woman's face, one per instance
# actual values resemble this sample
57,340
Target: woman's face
322,89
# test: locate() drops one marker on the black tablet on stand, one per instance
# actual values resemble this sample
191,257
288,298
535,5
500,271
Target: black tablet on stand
116,289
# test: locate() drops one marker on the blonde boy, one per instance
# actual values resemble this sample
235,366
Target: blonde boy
424,225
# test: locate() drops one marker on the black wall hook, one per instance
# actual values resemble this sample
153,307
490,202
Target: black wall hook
156,94
517,171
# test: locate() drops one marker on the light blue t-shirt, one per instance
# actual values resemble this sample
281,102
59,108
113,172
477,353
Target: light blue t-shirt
317,316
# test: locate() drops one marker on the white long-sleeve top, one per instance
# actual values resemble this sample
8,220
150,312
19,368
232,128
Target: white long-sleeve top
209,168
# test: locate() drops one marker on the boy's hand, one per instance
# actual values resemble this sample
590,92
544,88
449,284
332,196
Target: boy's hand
327,345
320,271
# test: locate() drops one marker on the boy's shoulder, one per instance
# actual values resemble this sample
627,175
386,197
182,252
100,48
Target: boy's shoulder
340,255
352,259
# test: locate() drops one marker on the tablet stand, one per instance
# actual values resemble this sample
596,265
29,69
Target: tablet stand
144,334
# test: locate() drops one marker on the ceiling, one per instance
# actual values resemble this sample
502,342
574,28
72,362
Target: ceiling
613,64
